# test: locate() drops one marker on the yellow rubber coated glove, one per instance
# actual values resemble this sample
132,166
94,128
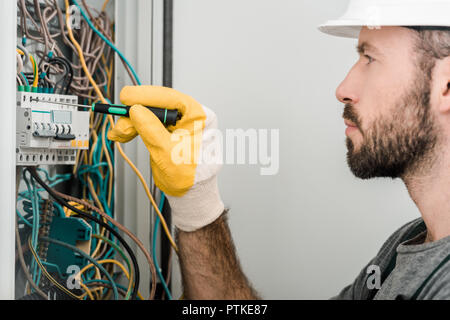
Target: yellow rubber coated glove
177,154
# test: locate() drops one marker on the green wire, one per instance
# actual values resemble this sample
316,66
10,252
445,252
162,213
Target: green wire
115,246
35,227
82,253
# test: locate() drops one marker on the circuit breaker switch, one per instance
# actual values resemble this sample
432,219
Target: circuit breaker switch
48,133
43,130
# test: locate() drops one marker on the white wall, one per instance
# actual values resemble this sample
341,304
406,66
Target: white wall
306,232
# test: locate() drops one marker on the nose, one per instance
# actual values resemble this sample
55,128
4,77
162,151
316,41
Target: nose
346,91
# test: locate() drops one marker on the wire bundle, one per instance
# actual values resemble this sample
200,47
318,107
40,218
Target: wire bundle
79,62
45,25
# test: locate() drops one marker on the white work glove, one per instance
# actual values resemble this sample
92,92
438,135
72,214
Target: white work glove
186,173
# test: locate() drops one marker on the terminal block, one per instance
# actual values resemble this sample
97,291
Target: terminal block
49,133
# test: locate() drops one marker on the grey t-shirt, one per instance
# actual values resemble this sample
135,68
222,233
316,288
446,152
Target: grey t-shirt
410,269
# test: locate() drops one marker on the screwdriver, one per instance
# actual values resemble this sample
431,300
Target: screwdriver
166,116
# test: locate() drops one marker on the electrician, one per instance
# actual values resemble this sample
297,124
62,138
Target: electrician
397,110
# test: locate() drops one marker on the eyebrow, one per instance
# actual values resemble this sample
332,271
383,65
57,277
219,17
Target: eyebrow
363,47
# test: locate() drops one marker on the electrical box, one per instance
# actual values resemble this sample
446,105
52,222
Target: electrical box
48,132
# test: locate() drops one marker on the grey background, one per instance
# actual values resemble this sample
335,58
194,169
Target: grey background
306,232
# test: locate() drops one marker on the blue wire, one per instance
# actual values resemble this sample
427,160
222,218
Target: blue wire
155,260
23,219
29,196
59,208
25,78
35,230
55,177
139,83
91,25
26,195
35,198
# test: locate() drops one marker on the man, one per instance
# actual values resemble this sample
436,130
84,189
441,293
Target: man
397,112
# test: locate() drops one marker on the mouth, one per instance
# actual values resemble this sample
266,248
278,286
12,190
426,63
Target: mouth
351,128
350,124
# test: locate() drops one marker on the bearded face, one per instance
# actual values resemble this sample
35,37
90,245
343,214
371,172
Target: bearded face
397,141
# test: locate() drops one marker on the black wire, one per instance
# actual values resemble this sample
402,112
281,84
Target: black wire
166,247
168,22
64,203
66,71
69,68
68,75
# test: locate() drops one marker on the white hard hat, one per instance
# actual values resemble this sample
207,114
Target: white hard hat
379,13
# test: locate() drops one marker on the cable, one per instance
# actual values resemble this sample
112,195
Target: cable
47,275
122,228
93,54
104,5
68,75
146,187
57,198
104,283
110,118
126,260
82,253
35,71
155,233
24,266
19,64
25,79
33,63
51,15
117,263
64,203
89,40
103,38
88,292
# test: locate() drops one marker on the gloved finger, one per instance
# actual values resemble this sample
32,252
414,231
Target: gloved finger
156,96
149,127
123,131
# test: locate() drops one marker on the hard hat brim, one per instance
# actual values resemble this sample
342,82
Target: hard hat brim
352,28
340,28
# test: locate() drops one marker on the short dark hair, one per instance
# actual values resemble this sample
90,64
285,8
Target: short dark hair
433,43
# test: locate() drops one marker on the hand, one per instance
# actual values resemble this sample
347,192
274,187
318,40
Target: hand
179,170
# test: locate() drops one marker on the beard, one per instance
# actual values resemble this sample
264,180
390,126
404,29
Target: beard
399,143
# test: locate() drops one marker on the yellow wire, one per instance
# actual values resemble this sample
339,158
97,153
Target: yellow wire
35,69
88,292
121,266
69,213
104,5
99,204
110,165
44,270
75,166
111,120
94,145
94,194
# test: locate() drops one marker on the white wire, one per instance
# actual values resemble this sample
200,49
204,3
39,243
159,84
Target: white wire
19,63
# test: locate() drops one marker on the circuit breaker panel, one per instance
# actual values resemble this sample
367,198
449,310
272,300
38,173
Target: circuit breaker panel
48,132
69,190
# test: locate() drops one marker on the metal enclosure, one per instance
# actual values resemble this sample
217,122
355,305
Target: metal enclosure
8,141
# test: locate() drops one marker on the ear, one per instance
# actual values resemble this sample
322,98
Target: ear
442,77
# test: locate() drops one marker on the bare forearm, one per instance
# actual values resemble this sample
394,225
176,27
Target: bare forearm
209,264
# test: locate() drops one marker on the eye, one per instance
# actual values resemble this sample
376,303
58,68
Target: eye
369,58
